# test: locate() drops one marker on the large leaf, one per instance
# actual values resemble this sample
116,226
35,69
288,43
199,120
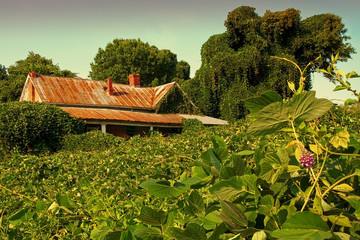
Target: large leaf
305,107
218,142
305,220
193,231
301,234
162,188
256,104
270,119
18,216
196,203
232,215
150,233
231,189
152,217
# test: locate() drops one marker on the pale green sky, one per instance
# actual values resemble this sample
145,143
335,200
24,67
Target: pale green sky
71,31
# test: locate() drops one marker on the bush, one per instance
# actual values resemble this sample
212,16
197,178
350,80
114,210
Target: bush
91,141
35,127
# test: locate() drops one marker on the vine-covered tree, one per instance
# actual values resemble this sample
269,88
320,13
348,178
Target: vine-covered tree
126,56
3,73
237,64
10,90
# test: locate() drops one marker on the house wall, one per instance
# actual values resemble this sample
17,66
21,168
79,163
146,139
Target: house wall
129,130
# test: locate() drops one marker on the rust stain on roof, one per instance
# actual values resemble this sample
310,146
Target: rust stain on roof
61,90
124,116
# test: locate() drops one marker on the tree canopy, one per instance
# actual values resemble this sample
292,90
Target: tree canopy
123,57
10,90
3,73
237,64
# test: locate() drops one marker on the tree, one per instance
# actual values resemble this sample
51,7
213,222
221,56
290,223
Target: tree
237,64
37,127
3,73
10,90
123,57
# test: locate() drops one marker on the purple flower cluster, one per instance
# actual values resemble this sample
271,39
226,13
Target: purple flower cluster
307,160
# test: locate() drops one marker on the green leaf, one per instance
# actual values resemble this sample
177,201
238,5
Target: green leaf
18,216
305,220
218,142
301,234
349,102
261,235
341,139
305,107
340,220
64,201
220,229
116,235
291,85
343,188
269,119
232,188
256,104
193,231
352,74
339,87
245,153
149,233
162,188
196,203
100,232
127,235
344,236
234,214
152,217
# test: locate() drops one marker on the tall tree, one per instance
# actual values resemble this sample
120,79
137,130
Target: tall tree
10,90
3,73
126,56
237,64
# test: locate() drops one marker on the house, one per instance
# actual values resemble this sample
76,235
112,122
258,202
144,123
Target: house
120,109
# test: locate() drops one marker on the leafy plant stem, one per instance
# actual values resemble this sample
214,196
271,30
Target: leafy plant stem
293,128
336,183
314,184
15,193
335,153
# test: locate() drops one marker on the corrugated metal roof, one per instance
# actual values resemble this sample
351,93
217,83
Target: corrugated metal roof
124,116
61,90
140,117
206,120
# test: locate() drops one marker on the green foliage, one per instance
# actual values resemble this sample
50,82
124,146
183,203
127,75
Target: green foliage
90,141
3,73
35,127
124,57
237,64
10,90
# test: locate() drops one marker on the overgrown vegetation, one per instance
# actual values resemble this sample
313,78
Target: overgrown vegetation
35,127
237,64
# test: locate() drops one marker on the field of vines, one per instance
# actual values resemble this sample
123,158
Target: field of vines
206,183
290,170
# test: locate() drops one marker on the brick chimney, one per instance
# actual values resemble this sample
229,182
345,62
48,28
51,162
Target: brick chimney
32,74
134,80
110,89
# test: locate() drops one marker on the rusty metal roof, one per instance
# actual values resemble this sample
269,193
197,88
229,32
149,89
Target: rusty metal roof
75,91
140,117
123,116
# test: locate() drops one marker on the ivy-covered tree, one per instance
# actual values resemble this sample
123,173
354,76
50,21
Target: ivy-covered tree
123,57
237,64
10,90
3,73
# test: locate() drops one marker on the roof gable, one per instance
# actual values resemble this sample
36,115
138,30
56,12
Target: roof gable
75,91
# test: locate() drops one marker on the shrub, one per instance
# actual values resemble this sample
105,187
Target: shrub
35,127
91,141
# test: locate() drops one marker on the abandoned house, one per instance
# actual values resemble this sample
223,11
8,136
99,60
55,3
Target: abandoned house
120,109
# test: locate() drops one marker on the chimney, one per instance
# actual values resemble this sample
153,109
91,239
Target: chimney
110,89
134,80
32,74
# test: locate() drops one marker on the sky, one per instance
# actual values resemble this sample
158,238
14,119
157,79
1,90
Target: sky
70,32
